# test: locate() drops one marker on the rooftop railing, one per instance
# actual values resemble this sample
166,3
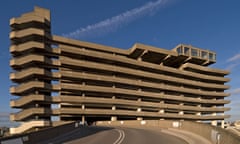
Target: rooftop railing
190,51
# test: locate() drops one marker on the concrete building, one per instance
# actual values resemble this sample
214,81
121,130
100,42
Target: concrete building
61,79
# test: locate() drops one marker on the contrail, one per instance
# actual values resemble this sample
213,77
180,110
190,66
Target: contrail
233,62
113,23
234,58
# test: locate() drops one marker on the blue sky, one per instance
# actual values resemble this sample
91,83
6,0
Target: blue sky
207,24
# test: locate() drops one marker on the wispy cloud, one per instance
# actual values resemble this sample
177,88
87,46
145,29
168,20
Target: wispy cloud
235,91
232,66
233,61
4,114
113,23
234,58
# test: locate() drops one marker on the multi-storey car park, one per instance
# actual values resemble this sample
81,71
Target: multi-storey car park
58,79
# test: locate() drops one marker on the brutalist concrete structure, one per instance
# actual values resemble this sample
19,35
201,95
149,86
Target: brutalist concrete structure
62,79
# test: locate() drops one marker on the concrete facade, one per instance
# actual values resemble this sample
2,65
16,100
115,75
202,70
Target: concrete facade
61,79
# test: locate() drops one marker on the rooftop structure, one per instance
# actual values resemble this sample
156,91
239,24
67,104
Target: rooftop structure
60,79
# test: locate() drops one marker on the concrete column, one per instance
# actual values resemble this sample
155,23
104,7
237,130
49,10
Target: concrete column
181,112
222,124
113,118
198,114
139,109
83,119
83,83
83,106
139,99
36,129
139,88
139,118
199,106
139,59
161,110
214,122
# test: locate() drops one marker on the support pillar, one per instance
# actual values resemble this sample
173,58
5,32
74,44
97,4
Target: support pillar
222,124
114,118
214,122
139,110
83,107
198,114
83,119
161,111
139,118
83,83
181,112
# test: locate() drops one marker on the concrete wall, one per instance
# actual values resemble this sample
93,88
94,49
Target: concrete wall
212,133
207,131
38,136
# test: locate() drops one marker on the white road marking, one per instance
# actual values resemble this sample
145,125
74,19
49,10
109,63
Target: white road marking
121,136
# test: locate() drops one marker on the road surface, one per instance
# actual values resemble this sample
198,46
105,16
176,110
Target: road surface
103,135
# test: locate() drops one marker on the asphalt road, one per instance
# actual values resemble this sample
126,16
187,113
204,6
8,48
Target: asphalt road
103,135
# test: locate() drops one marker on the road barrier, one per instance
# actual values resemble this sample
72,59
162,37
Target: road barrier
38,136
214,134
